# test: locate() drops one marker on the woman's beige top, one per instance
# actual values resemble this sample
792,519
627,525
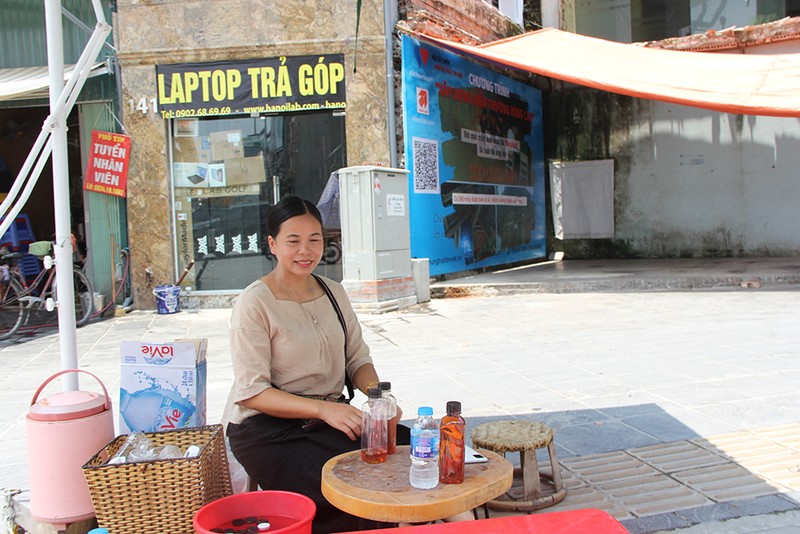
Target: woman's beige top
296,347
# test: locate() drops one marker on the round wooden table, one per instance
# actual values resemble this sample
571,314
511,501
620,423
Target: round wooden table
381,492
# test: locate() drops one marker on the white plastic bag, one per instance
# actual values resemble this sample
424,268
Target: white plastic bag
240,481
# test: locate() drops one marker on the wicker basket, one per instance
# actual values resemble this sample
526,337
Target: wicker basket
159,495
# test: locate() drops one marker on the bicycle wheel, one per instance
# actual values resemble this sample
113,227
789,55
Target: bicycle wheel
84,297
12,309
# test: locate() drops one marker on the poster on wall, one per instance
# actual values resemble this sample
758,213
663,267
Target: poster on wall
474,146
107,166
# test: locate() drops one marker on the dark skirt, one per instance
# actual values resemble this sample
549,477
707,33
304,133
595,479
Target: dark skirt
279,455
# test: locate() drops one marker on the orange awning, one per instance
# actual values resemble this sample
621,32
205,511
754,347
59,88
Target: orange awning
747,84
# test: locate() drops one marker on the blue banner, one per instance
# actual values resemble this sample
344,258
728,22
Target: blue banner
474,147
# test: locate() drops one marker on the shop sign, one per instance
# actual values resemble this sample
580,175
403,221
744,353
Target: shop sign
274,85
107,169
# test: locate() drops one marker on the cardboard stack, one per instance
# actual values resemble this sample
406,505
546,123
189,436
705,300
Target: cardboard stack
162,385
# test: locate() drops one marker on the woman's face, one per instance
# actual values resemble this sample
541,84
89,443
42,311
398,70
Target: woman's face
298,245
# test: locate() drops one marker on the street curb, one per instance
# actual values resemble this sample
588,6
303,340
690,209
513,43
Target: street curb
452,290
768,504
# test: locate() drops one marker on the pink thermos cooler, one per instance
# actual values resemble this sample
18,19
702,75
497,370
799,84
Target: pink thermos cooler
64,431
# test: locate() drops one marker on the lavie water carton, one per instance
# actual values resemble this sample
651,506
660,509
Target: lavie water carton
162,385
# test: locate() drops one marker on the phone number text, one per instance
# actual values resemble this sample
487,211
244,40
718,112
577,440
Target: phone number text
202,112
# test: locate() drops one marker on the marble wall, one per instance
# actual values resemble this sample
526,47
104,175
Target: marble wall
151,32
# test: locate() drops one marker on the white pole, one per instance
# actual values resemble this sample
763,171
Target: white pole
39,155
63,246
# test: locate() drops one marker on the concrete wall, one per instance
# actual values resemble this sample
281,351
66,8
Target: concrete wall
181,31
688,182
705,184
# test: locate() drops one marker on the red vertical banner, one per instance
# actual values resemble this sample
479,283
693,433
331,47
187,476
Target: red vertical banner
107,169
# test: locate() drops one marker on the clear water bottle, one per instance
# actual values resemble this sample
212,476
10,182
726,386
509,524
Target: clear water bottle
135,449
424,472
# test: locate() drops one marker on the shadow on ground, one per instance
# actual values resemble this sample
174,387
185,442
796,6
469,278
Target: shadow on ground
653,472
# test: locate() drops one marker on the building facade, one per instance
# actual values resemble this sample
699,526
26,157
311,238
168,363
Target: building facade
234,104
687,182
98,220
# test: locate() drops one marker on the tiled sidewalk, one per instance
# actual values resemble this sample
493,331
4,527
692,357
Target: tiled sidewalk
651,395
686,477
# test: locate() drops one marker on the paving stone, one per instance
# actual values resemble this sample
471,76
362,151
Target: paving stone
776,523
713,512
740,446
714,515
669,503
600,468
676,456
725,482
652,495
782,469
651,523
739,508
670,426
762,453
588,497
766,504
634,485
602,436
751,413
786,435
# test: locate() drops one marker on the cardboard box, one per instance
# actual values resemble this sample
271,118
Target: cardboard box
190,174
162,385
245,171
227,145
216,175
192,149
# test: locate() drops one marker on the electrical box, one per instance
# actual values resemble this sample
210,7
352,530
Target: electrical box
376,237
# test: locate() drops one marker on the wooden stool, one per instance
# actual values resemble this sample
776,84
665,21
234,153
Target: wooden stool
523,437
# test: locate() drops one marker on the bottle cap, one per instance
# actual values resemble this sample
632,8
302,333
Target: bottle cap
425,410
385,386
453,406
374,393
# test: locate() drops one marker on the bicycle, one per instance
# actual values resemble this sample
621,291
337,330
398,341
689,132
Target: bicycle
19,298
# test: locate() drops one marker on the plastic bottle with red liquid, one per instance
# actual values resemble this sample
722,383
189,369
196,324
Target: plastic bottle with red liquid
374,427
451,445
394,416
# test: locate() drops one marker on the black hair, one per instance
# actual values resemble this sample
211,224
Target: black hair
285,209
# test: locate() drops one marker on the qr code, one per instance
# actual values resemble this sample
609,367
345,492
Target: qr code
425,153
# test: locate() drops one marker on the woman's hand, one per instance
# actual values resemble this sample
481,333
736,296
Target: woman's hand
342,417
277,403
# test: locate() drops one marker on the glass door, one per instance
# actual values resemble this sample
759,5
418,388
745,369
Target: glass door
228,172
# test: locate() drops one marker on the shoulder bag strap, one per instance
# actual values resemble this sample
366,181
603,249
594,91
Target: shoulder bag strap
347,382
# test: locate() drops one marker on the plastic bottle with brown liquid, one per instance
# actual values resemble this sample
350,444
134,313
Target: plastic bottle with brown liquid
374,419
451,446
394,416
